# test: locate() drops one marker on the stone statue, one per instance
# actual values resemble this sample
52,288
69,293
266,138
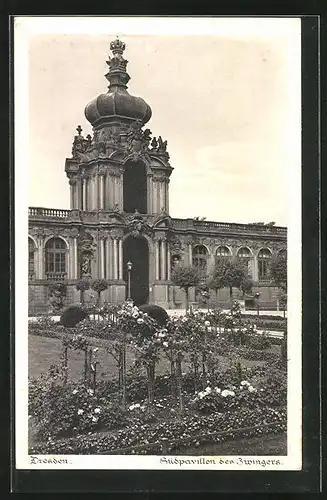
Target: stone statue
154,144
86,265
146,138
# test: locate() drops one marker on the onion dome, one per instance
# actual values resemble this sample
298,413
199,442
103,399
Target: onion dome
117,102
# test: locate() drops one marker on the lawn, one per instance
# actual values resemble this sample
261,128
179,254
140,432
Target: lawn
267,445
46,351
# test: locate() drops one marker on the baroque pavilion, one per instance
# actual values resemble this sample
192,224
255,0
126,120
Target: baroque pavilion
119,212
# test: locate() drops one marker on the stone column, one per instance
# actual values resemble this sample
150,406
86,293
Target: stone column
120,254
40,259
115,245
163,260
121,191
102,250
255,268
149,194
168,262
157,259
108,258
75,259
101,188
71,189
190,254
84,198
167,196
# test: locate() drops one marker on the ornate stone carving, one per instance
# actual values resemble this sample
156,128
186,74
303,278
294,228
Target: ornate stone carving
86,247
116,234
160,178
80,144
137,224
159,147
114,173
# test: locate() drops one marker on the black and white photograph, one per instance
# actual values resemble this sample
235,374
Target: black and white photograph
158,243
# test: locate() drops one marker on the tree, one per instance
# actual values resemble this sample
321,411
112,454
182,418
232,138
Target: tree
278,271
185,277
229,273
82,285
99,285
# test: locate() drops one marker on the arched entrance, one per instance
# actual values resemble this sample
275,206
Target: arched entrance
135,187
136,251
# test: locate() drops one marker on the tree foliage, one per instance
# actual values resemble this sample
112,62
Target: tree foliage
278,271
185,277
99,285
229,273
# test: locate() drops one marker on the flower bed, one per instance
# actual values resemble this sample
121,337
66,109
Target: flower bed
138,407
166,434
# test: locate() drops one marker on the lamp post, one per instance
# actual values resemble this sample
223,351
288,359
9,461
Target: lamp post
129,269
257,295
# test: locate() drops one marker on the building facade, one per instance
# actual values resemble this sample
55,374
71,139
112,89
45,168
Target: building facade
119,212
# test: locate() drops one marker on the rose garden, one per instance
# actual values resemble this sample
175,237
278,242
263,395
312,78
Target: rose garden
129,380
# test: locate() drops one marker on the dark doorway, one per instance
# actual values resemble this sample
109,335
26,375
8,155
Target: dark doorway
137,252
135,188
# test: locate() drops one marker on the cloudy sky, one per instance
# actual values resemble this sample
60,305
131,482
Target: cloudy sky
226,98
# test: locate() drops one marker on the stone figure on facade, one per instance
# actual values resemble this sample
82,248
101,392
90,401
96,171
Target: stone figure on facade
80,144
86,264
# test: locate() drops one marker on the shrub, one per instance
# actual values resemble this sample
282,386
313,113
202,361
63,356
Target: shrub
72,315
156,312
62,410
260,342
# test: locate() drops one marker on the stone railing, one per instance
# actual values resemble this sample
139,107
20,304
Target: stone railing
48,212
56,276
228,226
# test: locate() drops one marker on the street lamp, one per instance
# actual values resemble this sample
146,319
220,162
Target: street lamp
257,295
129,268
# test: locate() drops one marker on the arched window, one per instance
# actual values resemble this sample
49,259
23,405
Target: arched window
222,251
31,258
200,258
245,255
55,258
264,257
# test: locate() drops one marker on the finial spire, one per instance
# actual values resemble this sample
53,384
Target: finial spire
79,129
117,75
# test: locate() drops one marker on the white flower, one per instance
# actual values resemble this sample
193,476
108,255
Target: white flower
208,390
217,390
90,391
80,412
97,410
244,382
226,392
165,344
207,323
135,314
94,419
251,389
75,391
140,321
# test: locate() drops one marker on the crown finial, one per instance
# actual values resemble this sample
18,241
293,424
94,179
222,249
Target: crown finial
79,129
117,75
117,46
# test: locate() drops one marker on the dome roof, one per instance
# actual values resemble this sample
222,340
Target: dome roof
117,102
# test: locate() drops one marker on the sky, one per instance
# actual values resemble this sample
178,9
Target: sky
226,98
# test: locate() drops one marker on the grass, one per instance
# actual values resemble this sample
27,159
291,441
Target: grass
270,444
45,351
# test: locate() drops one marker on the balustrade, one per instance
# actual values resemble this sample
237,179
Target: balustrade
56,276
